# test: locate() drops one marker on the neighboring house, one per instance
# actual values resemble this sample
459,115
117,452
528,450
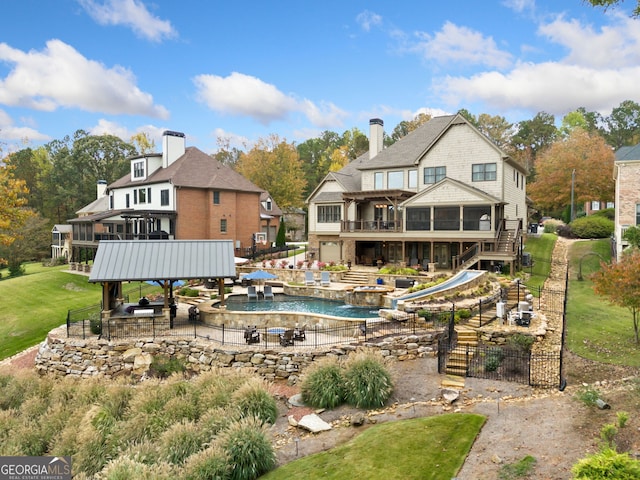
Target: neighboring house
595,206
443,197
626,173
295,220
181,193
61,241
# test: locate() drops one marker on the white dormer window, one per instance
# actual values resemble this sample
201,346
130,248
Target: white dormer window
138,169
268,205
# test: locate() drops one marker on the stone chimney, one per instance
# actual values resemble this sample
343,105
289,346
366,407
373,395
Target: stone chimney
376,136
173,147
101,188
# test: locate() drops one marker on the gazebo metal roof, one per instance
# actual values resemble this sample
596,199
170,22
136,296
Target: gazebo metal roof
141,260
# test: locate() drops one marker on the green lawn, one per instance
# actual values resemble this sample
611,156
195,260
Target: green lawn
541,249
37,302
596,329
429,448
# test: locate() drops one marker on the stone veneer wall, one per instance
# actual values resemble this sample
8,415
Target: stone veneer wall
89,358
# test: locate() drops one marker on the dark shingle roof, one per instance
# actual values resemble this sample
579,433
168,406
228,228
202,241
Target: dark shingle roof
195,169
628,153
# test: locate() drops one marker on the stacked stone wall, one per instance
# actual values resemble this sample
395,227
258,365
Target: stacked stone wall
60,355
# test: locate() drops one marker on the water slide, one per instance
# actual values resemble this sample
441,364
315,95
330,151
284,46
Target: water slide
457,280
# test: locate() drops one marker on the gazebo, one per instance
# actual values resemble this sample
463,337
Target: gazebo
160,261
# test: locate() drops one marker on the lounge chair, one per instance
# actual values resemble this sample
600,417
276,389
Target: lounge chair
299,333
268,292
251,293
308,278
325,279
286,338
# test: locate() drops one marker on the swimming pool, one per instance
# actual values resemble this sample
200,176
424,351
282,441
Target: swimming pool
291,303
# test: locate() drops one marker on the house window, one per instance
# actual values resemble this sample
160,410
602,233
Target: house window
434,174
595,206
419,218
164,197
268,205
223,225
111,201
127,202
142,195
135,197
329,213
394,180
378,179
413,179
138,169
216,197
484,172
477,217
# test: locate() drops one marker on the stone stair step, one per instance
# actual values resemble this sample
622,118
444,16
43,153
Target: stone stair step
452,381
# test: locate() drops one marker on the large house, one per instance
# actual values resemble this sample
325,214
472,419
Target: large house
181,193
626,172
443,197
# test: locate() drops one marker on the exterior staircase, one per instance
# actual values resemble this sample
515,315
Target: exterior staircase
505,242
356,277
458,360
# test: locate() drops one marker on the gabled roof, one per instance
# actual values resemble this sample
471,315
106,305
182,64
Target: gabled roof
62,228
628,154
141,260
99,205
195,169
480,194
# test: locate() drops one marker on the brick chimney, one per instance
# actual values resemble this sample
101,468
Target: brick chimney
173,147
376,136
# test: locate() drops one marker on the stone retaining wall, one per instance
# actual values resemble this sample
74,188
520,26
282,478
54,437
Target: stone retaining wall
88,358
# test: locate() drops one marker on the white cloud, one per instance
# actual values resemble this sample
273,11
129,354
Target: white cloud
367,19
132,14
520,5
59,76
598,71
10,132
456,44
244,95
235,140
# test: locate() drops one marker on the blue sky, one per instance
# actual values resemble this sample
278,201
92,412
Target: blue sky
246,69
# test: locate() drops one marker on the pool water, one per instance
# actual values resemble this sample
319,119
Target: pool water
291,303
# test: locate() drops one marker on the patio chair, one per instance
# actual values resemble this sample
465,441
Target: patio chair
251,293
286,338
325,279
299,333
251,334
268,292
308,278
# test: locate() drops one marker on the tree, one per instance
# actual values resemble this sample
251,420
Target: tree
531,138
497,128
78,164
315,156
405,127
226,154
620,282
33,167
32,242
612,3
143,142
274,165
622,127
281,237
12,202
586,154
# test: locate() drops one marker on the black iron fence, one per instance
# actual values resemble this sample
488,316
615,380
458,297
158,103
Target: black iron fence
369,330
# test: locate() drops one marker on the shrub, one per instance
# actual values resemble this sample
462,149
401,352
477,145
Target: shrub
609,213
623,418
551,226
592,227
608,434
493,359
521,342
164,367
188,292
565,231
249,449
253,399
607,464
323,385
95,324
368,383
209,464
463,314
126,468
588,395
180,441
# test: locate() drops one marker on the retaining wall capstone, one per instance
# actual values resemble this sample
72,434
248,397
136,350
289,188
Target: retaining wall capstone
60,355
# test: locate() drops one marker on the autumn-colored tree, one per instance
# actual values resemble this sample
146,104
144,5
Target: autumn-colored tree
407,126
620,283
273,165
590,157
12,202
143,142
